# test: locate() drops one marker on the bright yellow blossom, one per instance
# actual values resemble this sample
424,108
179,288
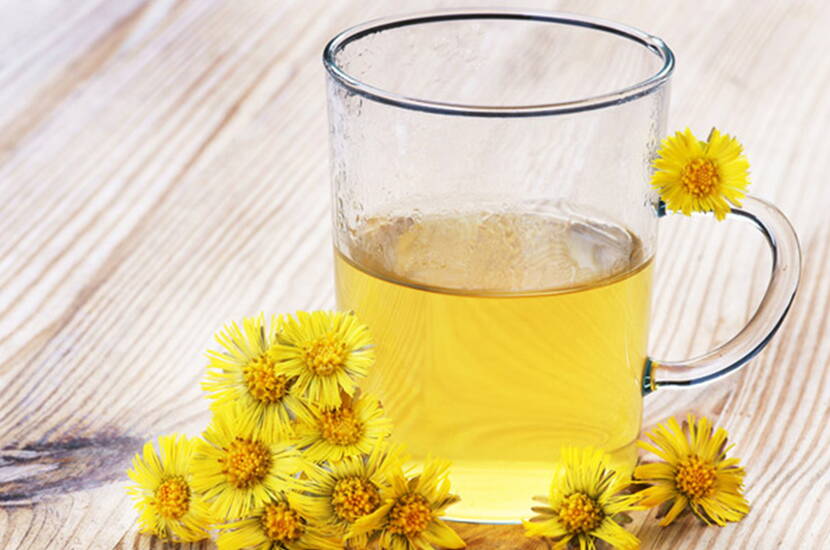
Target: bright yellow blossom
282,523
694,473
238,468
345,491
584,504
701,176
243,372
326,351
352,429
408,519
169,507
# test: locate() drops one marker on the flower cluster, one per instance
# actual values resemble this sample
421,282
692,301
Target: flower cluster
295,456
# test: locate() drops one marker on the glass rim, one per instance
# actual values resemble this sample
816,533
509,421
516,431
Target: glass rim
607,99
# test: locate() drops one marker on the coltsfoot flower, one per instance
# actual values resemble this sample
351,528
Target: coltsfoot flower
694,473
345,491
164,497
243,372
408,517
282,523
585,503
701,176
326,351
351,429
238,468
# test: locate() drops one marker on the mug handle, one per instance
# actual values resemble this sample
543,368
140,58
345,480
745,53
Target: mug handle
783,283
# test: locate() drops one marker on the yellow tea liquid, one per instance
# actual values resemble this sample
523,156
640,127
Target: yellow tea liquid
501,338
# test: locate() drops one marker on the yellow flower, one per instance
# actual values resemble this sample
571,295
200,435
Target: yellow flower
238,468
244,372
584,503
408,517
695,472
354,428
350,489
697,176
281,523
327,352
167,504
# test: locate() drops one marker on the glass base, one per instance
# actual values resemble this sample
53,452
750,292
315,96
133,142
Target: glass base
497,492
501,492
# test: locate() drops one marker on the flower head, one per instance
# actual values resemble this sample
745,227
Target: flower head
352,429
163,493
701,176
238,468
244,372
345,491
694,473
584,503
326,351
281,523
408,517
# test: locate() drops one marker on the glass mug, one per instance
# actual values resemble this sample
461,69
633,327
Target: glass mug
495,227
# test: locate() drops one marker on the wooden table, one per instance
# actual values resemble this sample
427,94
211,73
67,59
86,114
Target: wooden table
163,167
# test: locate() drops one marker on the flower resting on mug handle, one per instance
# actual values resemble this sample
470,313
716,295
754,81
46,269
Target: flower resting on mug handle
701,176
585,504
694,473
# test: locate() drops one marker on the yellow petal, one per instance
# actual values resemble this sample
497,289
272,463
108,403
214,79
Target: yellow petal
678,506
655,470
442,534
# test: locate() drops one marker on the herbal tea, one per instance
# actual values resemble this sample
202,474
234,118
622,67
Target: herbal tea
500,338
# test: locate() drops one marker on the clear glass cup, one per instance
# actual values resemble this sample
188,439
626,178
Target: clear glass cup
495,228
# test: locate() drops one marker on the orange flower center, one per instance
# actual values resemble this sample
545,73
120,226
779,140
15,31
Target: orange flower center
695,478
579,513
700,177
341,426
264,384
246,463
409,515
325,355
354,497
281,523
173,498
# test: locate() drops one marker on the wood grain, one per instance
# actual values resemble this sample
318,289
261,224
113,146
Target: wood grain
163,169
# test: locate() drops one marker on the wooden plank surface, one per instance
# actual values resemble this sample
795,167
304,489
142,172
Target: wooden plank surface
163,169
